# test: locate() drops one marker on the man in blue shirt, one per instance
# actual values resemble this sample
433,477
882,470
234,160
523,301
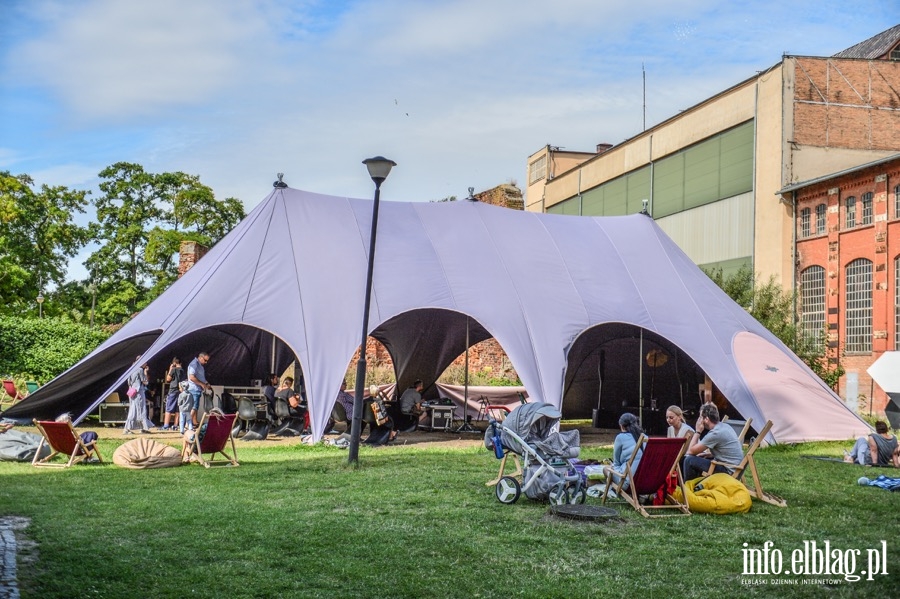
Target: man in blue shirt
197,382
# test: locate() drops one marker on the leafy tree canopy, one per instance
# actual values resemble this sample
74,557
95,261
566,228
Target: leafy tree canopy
37,237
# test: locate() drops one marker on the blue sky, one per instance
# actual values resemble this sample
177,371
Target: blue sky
458,92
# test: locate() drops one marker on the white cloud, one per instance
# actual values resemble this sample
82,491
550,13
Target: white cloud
108,59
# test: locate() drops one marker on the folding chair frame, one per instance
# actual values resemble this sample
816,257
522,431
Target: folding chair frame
194,448
630,495
80,450
748,462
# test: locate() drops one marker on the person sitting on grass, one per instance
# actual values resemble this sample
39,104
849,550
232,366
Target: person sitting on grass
878,449
624,446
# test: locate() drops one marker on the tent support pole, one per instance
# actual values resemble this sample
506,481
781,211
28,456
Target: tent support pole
641,381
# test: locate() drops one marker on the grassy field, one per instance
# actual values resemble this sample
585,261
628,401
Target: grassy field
415,521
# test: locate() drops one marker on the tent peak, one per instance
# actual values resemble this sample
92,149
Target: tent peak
280,184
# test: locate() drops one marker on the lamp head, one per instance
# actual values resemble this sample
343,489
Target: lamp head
379,168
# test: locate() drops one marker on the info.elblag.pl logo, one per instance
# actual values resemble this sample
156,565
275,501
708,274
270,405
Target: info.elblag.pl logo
827,564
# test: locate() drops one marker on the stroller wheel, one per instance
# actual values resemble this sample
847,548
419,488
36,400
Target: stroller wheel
559,494
507,490
577,496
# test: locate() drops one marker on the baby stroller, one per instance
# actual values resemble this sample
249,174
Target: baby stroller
548,474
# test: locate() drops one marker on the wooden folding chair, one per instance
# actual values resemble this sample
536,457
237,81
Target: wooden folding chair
743,434
659,457
748,462
213,434
9,386
62,439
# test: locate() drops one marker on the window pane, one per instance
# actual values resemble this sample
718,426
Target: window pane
820,219
804,222
867,208
897,303
897,202
851,212
858,303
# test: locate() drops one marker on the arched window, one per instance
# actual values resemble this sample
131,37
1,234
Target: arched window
804,222
866,199
851,212
820,219
812,303
858,307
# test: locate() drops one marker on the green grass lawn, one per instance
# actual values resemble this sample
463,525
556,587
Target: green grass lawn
296,521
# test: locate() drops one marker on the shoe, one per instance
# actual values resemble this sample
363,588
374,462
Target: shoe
333,432
145,431
127,432
165,428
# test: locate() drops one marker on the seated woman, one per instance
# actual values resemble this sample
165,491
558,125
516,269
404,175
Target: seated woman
878,449
89,438
625,444
678,428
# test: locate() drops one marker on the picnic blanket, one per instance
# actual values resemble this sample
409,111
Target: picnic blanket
882,482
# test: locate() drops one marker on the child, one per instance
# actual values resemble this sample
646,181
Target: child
185,404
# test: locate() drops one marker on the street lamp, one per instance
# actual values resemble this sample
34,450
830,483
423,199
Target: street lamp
379,168
40,297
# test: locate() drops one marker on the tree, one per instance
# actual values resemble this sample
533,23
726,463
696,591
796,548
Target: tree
142,218
37,236
774,308
189,212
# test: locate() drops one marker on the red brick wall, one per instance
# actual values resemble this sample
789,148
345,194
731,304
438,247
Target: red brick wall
188,254
878,242
847,103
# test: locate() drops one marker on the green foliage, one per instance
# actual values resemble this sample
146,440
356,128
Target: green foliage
40,349
37,236
142,218
455,374
774,308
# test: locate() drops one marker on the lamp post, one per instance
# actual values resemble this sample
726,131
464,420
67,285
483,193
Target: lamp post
379,168
40,297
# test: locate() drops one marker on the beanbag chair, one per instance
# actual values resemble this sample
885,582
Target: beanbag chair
718,493
142,453
19,446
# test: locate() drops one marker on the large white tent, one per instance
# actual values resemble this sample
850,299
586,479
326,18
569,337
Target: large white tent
289,280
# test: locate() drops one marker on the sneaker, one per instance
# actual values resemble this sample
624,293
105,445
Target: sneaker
145,431
165,428
127,432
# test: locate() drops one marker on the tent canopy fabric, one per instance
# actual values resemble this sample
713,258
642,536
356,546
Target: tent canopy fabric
289,279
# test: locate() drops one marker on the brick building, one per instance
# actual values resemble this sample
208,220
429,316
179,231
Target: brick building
848,267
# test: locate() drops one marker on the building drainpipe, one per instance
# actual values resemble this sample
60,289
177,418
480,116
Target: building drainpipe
794,256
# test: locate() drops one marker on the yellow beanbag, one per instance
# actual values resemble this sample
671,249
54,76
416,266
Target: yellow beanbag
721,494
